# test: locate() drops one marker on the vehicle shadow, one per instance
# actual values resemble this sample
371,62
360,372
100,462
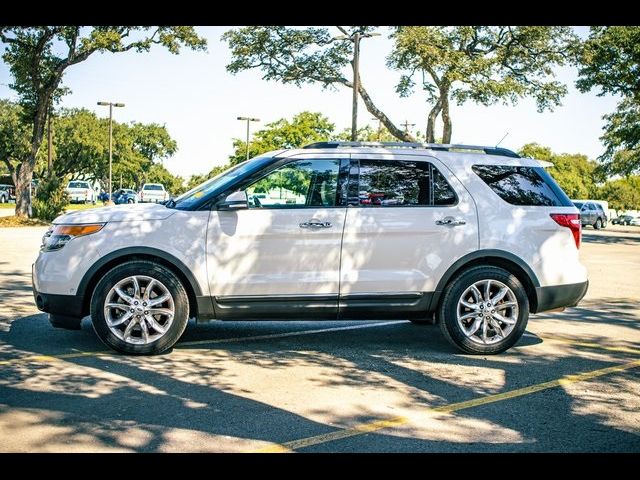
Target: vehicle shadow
228,396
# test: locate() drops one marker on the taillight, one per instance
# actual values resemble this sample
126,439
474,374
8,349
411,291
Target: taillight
571,221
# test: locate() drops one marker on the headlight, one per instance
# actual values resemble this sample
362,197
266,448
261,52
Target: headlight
59,235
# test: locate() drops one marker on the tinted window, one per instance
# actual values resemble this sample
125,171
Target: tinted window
78,185
402,183
153,187
303,183
578,204
443,194
522,185
591,206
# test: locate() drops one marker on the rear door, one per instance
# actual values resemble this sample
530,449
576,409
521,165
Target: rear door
408,220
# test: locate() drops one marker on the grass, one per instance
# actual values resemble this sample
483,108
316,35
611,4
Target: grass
13,221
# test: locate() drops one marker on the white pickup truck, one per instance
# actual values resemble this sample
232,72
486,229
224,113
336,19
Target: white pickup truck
81,192
153,193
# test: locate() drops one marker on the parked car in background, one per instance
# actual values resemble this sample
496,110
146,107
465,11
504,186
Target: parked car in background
7,193
81,192
125,195
634,221
153,193
622,220
591,213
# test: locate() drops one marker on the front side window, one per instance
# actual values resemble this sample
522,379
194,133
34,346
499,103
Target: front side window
530,186
402,183
302,183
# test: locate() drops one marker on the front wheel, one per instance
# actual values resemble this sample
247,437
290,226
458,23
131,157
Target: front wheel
484,310
140,307
598,224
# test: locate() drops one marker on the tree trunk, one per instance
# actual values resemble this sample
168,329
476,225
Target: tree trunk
23,184
386,121
446,119
25,174
431,121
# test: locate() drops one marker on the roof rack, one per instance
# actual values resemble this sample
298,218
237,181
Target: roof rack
505,152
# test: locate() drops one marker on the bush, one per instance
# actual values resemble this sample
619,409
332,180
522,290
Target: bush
50,200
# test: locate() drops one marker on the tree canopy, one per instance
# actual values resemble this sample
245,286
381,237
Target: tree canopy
38,57
609,61
482,64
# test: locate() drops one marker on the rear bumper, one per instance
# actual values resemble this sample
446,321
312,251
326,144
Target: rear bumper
558,296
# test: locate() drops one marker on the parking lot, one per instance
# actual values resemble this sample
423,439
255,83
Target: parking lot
572,384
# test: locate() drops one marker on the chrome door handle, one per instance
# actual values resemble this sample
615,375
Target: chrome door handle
315,224
450,221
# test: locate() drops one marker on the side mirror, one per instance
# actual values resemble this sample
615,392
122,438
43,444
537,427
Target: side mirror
235,201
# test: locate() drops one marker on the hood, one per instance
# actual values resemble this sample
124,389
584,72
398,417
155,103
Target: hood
119,213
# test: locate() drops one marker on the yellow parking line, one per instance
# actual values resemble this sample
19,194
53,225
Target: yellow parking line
454,407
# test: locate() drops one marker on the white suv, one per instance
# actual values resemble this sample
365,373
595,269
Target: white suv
474,238
153,192
81,191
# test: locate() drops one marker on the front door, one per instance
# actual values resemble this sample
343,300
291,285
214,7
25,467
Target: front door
281,256
410,221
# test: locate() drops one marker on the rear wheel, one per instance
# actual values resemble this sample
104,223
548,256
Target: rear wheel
598,224
484,310
130,200
140,307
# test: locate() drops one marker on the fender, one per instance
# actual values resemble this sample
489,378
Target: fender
471,257
132,251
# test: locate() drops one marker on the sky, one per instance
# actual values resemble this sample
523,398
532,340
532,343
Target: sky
198,101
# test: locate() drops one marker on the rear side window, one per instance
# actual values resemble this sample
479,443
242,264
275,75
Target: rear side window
386,183
530,186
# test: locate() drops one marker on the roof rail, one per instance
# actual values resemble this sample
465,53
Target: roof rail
430,146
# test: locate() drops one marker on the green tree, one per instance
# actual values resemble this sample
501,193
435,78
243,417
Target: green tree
37,66
14,136
609,61
172,183
302,56
622,194
575,173
480,63
304,128
369,134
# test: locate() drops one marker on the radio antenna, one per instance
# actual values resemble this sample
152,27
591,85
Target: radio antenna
505,136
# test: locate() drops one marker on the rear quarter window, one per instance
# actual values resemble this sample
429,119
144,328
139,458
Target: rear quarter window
526,186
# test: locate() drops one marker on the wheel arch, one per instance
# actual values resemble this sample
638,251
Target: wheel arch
490,257
113,259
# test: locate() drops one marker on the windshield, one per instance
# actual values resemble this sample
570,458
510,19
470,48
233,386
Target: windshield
219,182
578,204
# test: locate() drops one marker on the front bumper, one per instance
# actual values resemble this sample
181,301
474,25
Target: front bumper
67,305
559,296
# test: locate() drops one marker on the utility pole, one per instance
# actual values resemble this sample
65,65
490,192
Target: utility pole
111,105
406,125
248,120
355,38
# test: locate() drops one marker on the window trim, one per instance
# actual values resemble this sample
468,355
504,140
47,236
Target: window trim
243,183
355,203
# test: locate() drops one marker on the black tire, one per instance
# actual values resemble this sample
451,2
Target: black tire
3,199
150,269
598,224
447,311
130,200
64,322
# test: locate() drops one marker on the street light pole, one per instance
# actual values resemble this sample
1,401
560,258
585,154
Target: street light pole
355,38
248,120
111,105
